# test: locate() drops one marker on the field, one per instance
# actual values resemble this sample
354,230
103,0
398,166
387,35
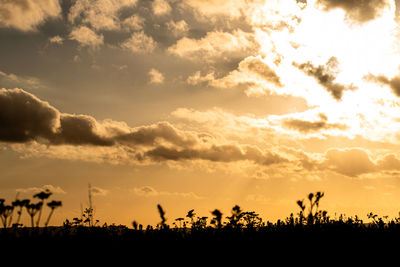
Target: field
310,232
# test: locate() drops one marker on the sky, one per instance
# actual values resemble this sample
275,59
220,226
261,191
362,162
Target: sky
200,104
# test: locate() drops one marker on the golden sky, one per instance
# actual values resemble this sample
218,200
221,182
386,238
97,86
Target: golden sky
201,104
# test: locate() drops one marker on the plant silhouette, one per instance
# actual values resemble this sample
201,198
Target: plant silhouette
42,196
52,205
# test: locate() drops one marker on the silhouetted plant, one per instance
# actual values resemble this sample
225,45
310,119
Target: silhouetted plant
52,205
314,215
179,220
5,213
234,220
217,220
191,215
32,210
20,204
43,195
162,216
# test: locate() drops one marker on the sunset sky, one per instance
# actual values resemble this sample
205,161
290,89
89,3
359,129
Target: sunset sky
201,104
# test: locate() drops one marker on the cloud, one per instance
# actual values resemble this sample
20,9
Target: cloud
213,44
134,22
26,119
253,72
26,15
97,191
216,153
177,28
257,66
218,7
156,76
360,11
98,14
139,42
148,191
351,162
393,83
86,37
33,190
12,80
325,75
56,39
312,126
161,7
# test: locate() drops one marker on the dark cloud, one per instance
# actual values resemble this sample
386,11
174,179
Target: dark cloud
356,10
25,118
79,130
326,76
394,83
153,134
312,126
256,65
216,153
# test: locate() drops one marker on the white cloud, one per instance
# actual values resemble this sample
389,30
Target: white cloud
156,76
33,190
161,7
214,44
139,42
133,22
26,15
148,191
87,37
178,28
56,39
99,14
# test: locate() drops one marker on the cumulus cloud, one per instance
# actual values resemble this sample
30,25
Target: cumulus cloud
25,119
213,44
161,7
355,162
26,15
87,37
178,28
156,76
350,162
218,7
360,11
56,39
253,72
98,14
134,22
139,42
325,75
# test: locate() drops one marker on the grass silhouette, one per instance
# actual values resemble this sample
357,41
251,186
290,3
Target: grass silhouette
311,227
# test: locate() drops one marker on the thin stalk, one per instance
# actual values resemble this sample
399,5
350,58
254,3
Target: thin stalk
48,218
